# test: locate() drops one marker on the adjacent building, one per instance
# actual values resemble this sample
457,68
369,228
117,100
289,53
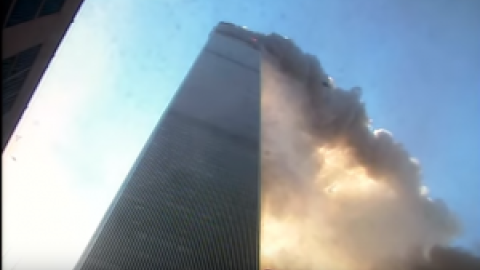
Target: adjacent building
191,201
32,31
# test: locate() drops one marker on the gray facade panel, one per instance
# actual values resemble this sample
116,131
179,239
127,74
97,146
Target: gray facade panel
192,199
229,47
222,93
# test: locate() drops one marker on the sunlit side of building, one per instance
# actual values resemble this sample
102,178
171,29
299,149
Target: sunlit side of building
191,201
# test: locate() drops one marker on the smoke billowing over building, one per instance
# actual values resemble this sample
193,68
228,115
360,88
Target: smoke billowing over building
261,161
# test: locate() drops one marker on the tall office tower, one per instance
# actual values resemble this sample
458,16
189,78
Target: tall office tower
32,32
191,201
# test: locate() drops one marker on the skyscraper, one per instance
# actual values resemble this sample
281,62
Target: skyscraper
191,201
32,32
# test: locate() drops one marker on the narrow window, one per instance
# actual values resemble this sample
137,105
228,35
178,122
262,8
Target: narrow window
15,70
51,7
23,11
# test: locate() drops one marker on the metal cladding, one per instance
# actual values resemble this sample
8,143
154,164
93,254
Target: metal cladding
191,201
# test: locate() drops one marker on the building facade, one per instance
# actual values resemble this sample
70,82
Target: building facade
191,201
32,31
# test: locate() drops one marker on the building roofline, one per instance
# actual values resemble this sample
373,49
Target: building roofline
240,33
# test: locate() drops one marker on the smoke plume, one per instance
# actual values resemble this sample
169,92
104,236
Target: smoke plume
335,194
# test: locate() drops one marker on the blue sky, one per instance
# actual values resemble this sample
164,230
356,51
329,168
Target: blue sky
122,60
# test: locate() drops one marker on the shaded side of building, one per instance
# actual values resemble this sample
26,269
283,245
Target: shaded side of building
32,32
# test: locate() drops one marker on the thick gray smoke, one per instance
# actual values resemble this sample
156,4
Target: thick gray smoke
304,117
333,114
443,258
